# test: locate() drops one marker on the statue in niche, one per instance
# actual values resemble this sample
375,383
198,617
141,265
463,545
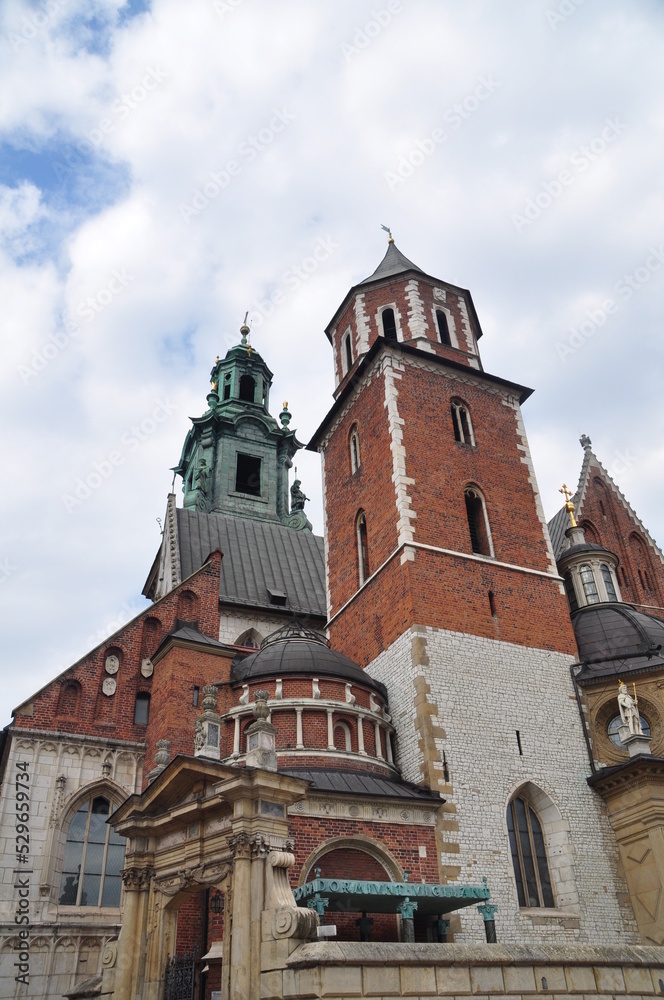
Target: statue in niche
200,484
298,498
629,710
199,736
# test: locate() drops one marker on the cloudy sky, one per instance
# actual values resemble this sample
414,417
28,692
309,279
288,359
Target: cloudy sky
167,166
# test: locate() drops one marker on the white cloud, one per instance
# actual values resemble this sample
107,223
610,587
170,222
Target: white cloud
165,98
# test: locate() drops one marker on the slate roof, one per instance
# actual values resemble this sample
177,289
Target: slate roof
394,262
362,783
617,639
558,525
258,557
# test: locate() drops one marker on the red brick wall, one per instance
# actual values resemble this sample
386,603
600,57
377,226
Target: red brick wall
438,590
393,293
97,714
607,521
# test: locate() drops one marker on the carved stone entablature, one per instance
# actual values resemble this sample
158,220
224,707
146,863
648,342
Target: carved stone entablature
210,873
372,811
135,878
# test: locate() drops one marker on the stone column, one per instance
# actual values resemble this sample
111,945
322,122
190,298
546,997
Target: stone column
379,746
330,730
360,735
137,886
299,740
236,737
240,971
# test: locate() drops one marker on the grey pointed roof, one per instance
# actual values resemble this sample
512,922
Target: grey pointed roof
264,565
392,263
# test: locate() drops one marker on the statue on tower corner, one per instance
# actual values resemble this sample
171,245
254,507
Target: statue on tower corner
298,499
629,710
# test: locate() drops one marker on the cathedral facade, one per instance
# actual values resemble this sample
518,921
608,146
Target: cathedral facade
420,708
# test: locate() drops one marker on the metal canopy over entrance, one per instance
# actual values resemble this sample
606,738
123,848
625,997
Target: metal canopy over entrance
355,896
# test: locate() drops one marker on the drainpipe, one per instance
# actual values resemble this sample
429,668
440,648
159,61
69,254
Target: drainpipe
583,718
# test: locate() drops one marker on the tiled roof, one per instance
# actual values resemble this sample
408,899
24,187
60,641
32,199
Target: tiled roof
259,558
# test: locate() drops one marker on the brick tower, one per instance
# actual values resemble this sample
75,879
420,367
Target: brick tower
442,584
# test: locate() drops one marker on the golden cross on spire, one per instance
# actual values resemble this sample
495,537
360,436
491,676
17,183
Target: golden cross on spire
569,506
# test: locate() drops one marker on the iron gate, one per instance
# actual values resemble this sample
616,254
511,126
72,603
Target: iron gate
180,979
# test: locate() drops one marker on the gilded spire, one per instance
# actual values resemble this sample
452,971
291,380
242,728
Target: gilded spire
569,506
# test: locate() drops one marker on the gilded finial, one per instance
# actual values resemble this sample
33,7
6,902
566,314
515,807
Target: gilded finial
390,238
285,404
244,330
569,506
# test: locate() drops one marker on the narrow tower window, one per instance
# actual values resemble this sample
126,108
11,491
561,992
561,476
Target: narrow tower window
463,428
248,475
362,547
227,386
247,389
531,869
571,593
480,541
142,709
589,585
389,324
348,353
354,450
443,328
608,583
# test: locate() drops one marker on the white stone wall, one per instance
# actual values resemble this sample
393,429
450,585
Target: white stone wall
232,623
484,691
67,944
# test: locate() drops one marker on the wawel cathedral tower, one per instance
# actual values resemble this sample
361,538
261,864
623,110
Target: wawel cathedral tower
439,726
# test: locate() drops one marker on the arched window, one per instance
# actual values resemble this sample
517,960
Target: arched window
250,637
616,724
142,709
571,593
608,583
389,324
589,584
347,353
362,547
94,854
463,428
354,449
342,737
531,868
443,328
478,523
247,389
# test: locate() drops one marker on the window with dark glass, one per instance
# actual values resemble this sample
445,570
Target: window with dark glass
443,328
227,386
389,324
349,352
589,585
142,709
248,475
94,855
615,725
479,537
247,389
354,450
362,547
569,590
531,868
463,428
608,583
